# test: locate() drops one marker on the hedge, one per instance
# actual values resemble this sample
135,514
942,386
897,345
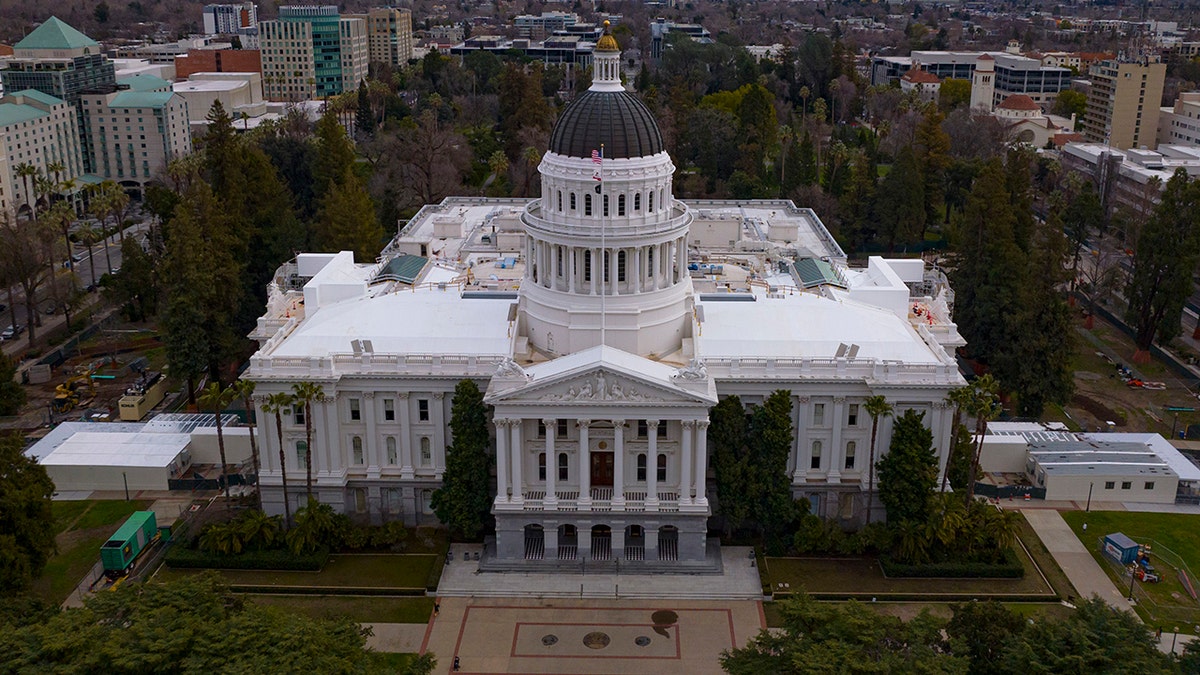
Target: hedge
183,557
1011,568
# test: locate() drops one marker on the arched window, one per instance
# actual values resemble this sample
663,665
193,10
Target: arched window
301,452
662,468
620,205
621,266
572,202
426,451
637,202
391,450
563,471
851,448
650,206
641,467
541,466
587,204
560,200
357,448
605,206
649,262
815,462
662,198
587,265
559,252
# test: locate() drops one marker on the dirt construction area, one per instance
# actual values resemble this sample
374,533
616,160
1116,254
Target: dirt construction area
1107,387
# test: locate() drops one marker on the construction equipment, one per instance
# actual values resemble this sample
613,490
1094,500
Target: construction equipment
78,390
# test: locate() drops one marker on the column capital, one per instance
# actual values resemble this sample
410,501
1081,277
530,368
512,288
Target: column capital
701,424
689,424
618,423
369,395
583,424
549,422
652,423
439,395
804,399
402,395
942,404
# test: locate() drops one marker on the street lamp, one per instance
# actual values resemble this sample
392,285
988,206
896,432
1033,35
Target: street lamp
1132,579
1089,501
1174,637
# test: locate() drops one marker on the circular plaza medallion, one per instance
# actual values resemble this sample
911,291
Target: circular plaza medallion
641,641
664,617
596,640
549,640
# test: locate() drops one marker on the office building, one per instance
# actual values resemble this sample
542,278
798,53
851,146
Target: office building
312,52
42,132
137,131
1180,124
230,19
1010,74
1123,103
389,35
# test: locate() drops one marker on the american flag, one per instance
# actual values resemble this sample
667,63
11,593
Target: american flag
596,157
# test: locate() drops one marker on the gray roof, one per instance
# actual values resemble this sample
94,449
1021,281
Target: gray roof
616,119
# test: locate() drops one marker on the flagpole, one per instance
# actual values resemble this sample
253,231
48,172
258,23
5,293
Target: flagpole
604,261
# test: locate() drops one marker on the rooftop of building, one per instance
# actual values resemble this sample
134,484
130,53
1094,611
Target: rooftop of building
155,438
1019,102
141,82
141,99
12,111
55,34
1062,452
919,76
1141,165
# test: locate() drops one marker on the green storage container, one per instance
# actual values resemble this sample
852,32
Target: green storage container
119,552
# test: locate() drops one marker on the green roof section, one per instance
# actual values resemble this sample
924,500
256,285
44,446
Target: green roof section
40,97
814,272
141,99
55,34
405,269
15,113
144,82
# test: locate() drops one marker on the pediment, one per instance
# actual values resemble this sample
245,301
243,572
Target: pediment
602,381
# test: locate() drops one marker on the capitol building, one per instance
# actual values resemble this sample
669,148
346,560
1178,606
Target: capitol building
603,320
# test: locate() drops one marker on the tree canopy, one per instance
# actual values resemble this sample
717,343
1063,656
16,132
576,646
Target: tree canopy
26,521
908,473
464,501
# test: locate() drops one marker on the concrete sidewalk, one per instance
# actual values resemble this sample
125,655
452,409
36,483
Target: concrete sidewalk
1074,559
403,638
738,581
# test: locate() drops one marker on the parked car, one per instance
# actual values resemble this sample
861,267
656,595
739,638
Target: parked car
11,332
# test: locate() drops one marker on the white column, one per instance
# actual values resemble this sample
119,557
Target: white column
329,429
803,447
837,452
264,422
551,501
372,437
406,453
503,487
702,462
516,447
585,461
652,466
618,500
439,434
685,462
944,435
595,270
572,252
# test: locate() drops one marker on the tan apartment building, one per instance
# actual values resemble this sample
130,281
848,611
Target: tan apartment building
1123,103
389,35
312,52
135,134
41,131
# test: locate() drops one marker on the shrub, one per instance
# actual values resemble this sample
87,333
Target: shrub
279,559
1011,568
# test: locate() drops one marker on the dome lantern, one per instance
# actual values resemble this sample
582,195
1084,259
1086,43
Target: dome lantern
606,63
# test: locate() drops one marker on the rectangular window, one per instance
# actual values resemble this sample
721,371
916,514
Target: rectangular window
852,415
1126,485
389,410
360,500
301,452
423,410
298,415
643,430
851,449
815,462
662,429
818,414
1149,485
355,410
541,430
356,444
541,466
641,467
661,473
562,428
1108,485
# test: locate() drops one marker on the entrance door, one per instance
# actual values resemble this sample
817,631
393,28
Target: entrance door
602,469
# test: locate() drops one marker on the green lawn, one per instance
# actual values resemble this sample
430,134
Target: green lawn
87,525
363,609
863,575
908,610
342,571
384,662
1178,532
1045,561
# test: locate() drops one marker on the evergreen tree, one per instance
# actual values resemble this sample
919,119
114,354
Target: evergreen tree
26,519
1082,217
730,462
464,500
771,438
1018,182
858,226
12,394
364,118
1168,249
908,473
346,221
958,467
988,266
900,201
333,156
806,161
932,147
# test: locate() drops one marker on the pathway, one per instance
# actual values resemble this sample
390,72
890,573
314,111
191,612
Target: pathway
588,637
738,580
1074,559
404,638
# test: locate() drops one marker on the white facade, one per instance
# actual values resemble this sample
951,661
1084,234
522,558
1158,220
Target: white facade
235,91
600,383
230,19
1180,124
40,131
135,134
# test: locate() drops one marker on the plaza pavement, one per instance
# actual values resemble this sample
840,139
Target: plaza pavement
588,636
738,581
1076,562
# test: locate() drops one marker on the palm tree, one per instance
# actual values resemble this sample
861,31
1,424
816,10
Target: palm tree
217,399
532,157
876,406
985,406
258,529
88,236
56,169
305,393
275,404
28,173
244,389
961,399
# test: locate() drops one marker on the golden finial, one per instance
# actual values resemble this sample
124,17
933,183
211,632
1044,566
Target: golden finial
607,42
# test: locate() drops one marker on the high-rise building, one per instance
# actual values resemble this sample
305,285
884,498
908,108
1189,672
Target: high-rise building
38,131
1180,124
230,19
538,26
1123,103
389,35
312,52
58,60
